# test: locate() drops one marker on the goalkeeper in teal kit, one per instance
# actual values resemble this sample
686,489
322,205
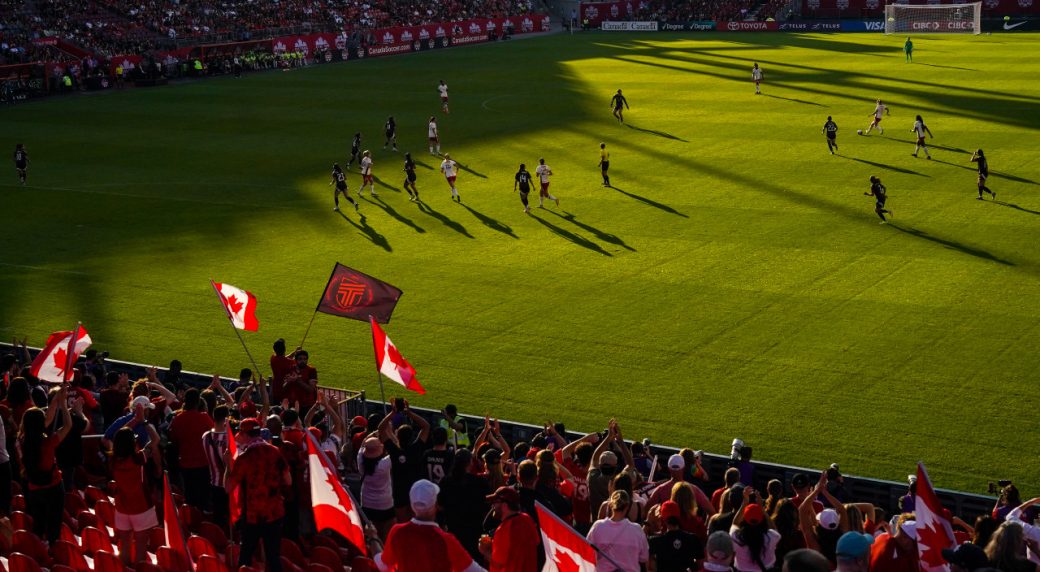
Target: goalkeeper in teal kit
908,49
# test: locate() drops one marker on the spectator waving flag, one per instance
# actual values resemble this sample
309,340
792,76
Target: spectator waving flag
172,525
934,532
565,549
334,509
54,362
390,362
239,304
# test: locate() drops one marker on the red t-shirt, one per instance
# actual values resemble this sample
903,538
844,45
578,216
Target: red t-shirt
48,464
515,548
887,555
580,500
261,472
186,432
128,475
280,365
419,546
300,389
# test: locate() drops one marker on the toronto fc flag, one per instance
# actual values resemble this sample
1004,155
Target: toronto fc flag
54,362
565,549
334,509
390,362
239,304
934,532
356,295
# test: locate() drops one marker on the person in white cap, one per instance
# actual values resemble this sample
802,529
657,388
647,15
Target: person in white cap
676,472
410,545
822,531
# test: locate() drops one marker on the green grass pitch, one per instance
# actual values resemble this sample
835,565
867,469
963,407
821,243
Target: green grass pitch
735,283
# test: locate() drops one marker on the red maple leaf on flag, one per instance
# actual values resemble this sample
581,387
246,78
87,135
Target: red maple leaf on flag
233,304
933,539
60,359
564,563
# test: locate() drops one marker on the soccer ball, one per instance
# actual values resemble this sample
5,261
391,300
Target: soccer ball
890,19
859,132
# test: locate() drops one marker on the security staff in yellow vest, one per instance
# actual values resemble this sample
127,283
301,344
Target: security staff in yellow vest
455,425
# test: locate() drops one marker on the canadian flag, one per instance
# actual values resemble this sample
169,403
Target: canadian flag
239,304
390,362
933,531
234,505
565,549
172,526
54,362
334,509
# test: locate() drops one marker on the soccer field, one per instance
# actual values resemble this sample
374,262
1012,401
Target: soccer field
734,283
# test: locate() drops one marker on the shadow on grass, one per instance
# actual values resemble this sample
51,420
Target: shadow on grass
564,233
492,223
649,202
992,174
470,171
380,182
945,148
888,167
1014,206
802,101
453,225
953,245
658,133
393,212
369,232
423,165
604,236
947,67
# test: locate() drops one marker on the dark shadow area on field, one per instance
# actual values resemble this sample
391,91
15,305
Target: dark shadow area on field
421,164
946,148
649,202
493,224
992,174
952,245
1014,206
795,100
379,182
393,212
563,233
470,171
945,67
427,209
368,232
604,236
658,133
887,167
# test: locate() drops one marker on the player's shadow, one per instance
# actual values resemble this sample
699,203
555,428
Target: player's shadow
658,133
887,167
369,232
649,202
393,212
953,245
946,148
568,235
1016,207
996,174
947,67
470,171
379,182
423,165
802,101
427,209
604,236
493,224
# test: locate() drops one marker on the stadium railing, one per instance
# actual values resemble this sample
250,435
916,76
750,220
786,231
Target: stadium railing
881,493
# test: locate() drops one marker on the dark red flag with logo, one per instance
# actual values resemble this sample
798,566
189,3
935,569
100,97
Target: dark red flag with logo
356,295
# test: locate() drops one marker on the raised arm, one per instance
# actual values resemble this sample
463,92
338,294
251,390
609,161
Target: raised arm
496,432
838,507
337,426
568,451
423,424
807,516
626,451
217,386
604,445
66,417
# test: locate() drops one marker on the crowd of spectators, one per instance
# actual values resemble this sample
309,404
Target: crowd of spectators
441,493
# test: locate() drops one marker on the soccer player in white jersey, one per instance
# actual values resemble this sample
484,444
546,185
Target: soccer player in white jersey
450,169
756,76
879,111
366,174
443,89
435,138
543,172
920,128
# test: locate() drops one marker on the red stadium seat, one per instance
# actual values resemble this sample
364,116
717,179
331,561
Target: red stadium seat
345,553
106,511
327,557
249,569
290,566
18,502
94,494
60,568
74,504
191,517
292,551
214,534
315,567
19,562
156,538
68,554
21,521
108,562
169,560
94,540
147,567
68,535
86,518
362,564
210,564
30,545
199,546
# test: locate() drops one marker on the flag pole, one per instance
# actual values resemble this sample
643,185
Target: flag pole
320,300
69,352
379,378
220,299
308,330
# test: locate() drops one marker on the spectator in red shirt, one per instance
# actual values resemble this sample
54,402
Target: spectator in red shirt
576,457
280,366
45,499
135,513
896,553
419,545
663,492
729,478
301,383
186,431
260,476
515,543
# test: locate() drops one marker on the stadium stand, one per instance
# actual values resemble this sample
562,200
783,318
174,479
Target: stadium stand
85,493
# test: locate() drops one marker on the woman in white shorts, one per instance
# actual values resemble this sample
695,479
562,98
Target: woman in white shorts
135,511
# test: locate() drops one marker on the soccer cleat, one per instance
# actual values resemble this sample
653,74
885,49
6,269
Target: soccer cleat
373,193
994,194
883,222
557,202
881,131
929,157
357,207
913,154
335,209
890,215
978,198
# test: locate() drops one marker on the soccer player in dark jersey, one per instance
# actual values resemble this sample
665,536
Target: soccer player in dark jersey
391,132
339,178
409,178
880,194
617,102
831,130
522,183
604,163
979,158
355,150
21,161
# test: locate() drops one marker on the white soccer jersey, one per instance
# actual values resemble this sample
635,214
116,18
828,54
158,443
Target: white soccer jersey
919,128
448,167
543,172
433,129
756,74
366,165
880,110
443,88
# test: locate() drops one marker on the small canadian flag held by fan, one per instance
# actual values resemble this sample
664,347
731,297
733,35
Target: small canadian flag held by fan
240,306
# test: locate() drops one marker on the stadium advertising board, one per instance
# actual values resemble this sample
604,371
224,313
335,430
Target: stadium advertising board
1010,25
862,26
628,26
810,26
747,26
939,26
696,26
598,12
